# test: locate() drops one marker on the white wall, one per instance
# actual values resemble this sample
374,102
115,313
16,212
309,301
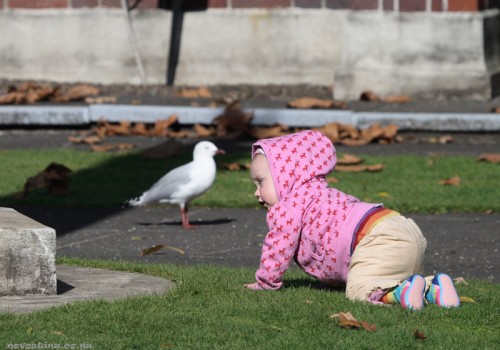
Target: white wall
421,54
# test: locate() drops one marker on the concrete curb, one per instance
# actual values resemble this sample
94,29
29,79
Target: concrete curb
82,283
82,115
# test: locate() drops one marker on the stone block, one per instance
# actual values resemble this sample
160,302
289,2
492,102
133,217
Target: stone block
27,255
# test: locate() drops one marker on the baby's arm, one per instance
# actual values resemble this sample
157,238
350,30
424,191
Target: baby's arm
278,250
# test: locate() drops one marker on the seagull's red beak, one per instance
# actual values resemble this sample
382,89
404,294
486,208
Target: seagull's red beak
220,151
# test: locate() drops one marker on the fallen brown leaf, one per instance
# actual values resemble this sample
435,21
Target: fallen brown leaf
347,320
203,131
197,92
139,129
467,300
419,334
370,96
332,179
489,157
160,127
495,110
233,122
261,132
156,248
453,181
102,148
313,102
13,98
232,166
152,250
349,159
40,93
397,99
460,280
359,168
100,99
90,140
76,93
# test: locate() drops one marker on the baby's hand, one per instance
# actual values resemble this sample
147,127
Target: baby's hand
254,286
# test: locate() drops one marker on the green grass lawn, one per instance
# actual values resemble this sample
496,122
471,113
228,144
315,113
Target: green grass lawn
210,309
407,183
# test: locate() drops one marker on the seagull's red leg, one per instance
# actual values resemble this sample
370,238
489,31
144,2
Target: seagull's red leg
185,218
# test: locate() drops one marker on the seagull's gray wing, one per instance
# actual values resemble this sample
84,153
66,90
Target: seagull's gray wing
164,188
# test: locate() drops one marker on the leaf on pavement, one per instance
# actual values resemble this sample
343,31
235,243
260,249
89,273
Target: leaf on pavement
157,247
152,250
76,93
313,102
347,320
489,157
453,181
196,92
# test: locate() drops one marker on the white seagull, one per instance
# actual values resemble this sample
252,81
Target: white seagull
183,184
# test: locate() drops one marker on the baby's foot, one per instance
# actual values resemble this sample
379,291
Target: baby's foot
442,292
410,293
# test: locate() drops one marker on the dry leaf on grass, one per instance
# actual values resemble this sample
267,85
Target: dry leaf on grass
467,300
489,157
332,180
349,159
359,168
453,181
111,147
347,320
419,334
55,177
236,166
460,280
313,102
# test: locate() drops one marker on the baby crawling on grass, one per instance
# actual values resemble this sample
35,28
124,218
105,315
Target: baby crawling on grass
377,253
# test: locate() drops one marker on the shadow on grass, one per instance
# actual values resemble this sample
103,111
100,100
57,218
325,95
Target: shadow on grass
99,192
310,283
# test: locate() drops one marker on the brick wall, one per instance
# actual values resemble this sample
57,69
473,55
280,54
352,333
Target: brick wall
387,5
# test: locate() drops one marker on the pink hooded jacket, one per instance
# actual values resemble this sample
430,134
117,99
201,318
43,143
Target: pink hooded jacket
312,223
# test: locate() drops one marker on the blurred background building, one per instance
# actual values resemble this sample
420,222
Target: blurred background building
427,49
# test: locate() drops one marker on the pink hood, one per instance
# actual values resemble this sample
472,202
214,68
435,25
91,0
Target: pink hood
311,223
296,159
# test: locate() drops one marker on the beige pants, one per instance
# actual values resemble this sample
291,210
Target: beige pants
393,250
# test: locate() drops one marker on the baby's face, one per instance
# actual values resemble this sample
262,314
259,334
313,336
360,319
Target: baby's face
263,181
